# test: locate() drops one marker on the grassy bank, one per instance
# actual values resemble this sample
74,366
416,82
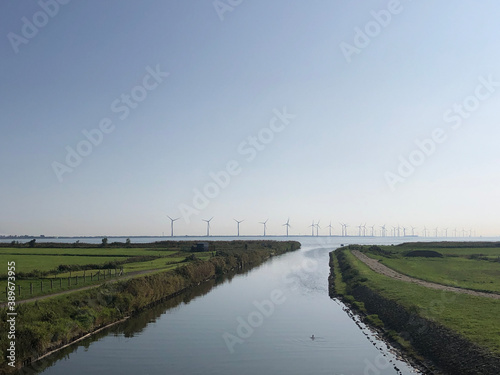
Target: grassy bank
475,319
53,322
476,268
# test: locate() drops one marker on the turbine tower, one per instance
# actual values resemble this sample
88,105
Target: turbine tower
312,228
287,225
317,229
208,225
238,222
359,229
404,231
265,225
372,231
413,231
172,225
382,231
330,227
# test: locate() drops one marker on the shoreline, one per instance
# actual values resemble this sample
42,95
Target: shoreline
431,346
200,273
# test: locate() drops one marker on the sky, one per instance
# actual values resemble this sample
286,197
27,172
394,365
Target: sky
117,114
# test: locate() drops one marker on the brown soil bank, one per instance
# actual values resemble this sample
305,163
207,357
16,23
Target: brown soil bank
50,324
447,350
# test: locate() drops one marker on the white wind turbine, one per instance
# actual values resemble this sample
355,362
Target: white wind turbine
238,223
287,225
208,225
359,229
382,231
265,225
317,228
345,229
436,231
413,231
312,228
372,231
330,227
404,231
172,225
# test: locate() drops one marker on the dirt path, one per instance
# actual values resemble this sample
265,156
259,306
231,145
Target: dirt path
378,267
128,276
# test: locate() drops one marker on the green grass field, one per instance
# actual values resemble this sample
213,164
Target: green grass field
467,267
49,259
476,318
167,256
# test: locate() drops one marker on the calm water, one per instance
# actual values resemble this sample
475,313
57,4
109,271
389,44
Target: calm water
259,322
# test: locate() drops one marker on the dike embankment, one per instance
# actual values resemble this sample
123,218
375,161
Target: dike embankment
443,350
46,326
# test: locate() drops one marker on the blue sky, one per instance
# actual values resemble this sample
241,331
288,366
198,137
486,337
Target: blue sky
352,117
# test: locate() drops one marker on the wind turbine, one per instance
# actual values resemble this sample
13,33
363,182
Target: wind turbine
372,231
238,222
342,225
413,231
455,232
445,232
317,228
172,225
208,225
436,231
394,231
312,228
345,226
265,226
287,225
330,227
359,230
425,231
404,231
382,230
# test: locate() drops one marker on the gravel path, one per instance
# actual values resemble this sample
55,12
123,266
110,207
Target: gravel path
378,267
